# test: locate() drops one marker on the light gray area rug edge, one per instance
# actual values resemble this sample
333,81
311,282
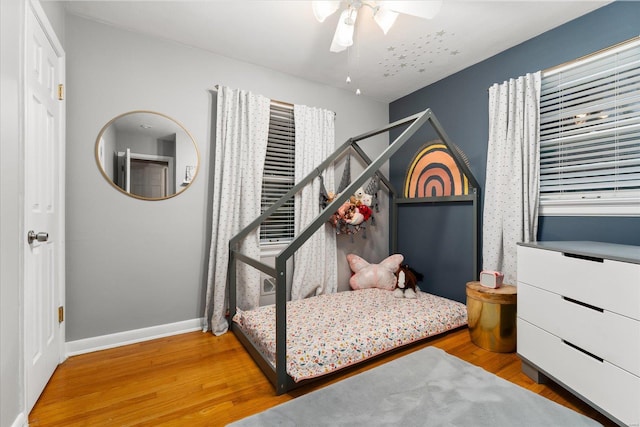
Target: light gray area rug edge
426,388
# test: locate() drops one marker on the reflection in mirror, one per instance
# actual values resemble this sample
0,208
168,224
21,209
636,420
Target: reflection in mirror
147,155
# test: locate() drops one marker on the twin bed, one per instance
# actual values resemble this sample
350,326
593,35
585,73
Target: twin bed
330,332
297,341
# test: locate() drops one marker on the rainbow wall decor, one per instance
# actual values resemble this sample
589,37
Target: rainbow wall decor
433,172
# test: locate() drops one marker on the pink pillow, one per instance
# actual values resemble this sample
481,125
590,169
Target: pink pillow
374,275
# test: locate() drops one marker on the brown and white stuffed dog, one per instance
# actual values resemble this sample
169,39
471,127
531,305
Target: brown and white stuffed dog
407,284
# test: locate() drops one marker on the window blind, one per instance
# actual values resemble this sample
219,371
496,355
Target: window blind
590,129
278,177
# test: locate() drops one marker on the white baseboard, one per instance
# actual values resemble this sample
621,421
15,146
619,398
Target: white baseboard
20,421
118,339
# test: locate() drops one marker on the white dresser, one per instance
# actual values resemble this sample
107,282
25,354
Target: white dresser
579,321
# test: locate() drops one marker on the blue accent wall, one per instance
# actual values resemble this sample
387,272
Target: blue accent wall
436,240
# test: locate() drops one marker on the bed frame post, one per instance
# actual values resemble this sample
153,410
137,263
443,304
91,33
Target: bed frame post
476,233
281,325
231,275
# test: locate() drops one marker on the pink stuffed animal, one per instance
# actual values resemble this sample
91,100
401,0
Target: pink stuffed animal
374,275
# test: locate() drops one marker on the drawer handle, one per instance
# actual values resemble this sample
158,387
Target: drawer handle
584,304
584,257
581,350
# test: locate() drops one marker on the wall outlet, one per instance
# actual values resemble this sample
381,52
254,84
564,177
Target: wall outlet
268,285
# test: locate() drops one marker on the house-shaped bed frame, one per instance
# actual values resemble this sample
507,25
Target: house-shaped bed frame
278,376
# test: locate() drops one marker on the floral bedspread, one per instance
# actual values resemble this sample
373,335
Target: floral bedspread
329,332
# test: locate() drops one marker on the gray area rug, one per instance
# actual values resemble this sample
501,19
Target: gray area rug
426,388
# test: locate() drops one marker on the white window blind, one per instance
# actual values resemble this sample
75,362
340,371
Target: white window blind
278,176
590,135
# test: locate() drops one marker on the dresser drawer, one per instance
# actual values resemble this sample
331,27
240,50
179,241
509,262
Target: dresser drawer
611,285
612,389
608,335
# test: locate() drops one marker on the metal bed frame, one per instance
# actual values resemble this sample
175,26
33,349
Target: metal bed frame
278,376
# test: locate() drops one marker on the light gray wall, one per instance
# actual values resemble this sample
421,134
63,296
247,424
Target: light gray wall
11,28
56,16
132,263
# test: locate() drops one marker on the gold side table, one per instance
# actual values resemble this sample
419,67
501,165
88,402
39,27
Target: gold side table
491,317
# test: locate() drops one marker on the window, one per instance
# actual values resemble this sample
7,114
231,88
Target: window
590,135
278,176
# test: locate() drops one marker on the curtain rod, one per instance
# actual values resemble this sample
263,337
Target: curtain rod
590,55
273,101
587,56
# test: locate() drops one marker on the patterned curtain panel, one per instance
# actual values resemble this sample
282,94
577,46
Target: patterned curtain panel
242,127
315,263
513,173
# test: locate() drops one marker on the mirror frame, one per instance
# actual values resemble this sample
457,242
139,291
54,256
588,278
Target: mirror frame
135,196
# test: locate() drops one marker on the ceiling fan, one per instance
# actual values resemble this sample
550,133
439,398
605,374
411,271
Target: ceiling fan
384,13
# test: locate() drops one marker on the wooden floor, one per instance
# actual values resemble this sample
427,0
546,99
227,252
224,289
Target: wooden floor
197,379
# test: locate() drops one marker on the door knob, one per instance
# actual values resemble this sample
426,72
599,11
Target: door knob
40,237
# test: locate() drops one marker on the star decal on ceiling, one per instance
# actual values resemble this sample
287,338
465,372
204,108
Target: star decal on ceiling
418,54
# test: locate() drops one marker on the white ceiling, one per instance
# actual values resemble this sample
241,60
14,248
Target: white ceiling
285,36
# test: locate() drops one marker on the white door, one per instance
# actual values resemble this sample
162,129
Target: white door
44,204
149,179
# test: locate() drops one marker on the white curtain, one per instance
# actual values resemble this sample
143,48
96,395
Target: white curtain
315,263
242,128
513,173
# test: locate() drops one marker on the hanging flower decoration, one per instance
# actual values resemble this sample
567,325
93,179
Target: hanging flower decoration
353,215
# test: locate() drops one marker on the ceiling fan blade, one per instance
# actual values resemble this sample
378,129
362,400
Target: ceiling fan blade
385,18
324,9
421,9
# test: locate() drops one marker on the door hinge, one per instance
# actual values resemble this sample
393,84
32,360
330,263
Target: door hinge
60,92
60,314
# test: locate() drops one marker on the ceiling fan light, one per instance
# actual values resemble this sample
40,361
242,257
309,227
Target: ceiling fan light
323,9
385,18
343,37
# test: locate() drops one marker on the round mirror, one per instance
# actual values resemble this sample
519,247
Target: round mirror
147,155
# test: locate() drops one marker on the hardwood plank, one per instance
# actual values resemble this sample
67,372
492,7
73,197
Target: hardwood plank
198,379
